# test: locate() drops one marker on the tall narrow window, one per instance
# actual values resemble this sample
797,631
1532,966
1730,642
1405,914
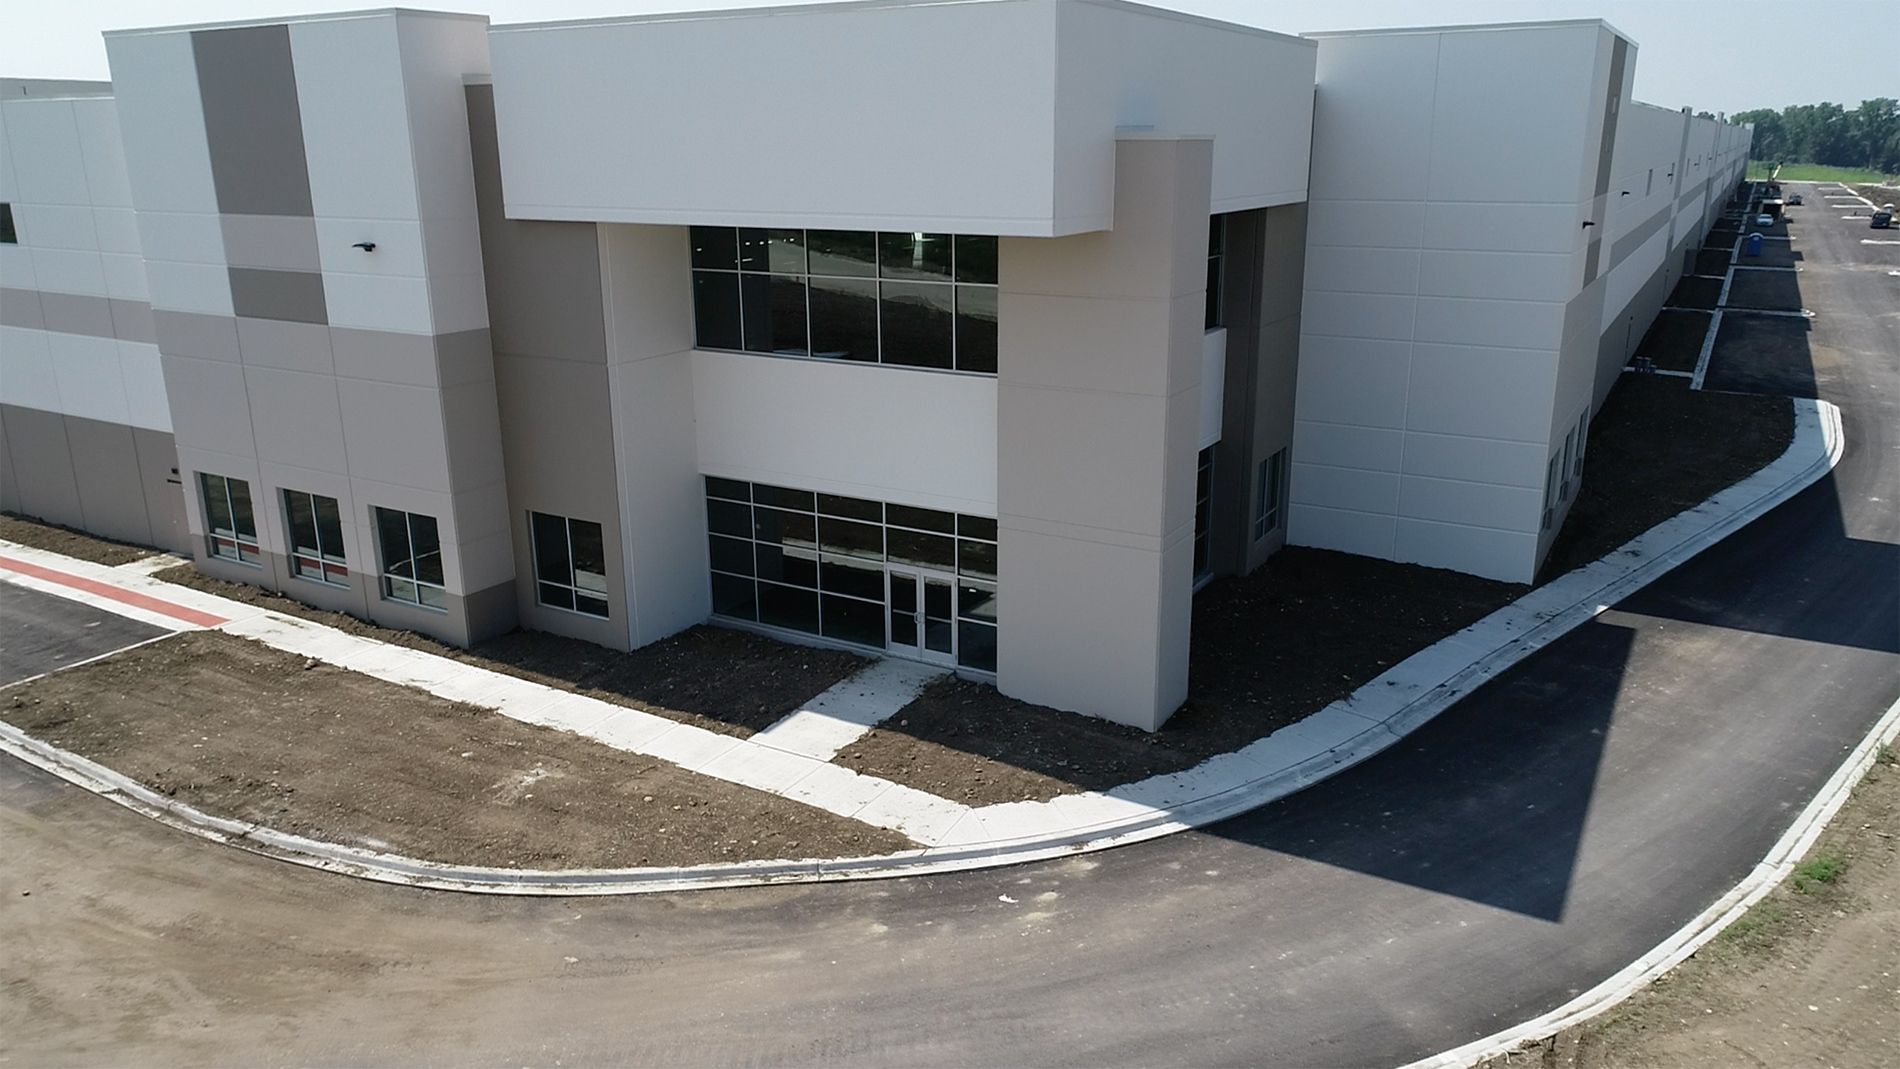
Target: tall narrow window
1550,490
1203,513
1583,436
1216,257
8,235
1269,496
316,537
412,558
230,525
570,563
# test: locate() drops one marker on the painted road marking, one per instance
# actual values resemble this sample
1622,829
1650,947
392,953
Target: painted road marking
107,590
1874,241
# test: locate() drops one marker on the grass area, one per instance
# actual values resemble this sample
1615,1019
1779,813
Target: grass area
1815,172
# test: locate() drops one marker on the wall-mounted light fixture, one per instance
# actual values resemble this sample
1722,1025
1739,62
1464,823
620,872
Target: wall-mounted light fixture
366,246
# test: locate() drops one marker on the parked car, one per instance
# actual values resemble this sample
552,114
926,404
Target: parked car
1883,219
1764,219
1794,198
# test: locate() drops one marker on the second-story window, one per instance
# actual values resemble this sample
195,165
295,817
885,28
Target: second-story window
915,299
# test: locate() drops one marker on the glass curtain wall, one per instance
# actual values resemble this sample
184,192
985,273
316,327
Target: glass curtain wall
817,563
919,300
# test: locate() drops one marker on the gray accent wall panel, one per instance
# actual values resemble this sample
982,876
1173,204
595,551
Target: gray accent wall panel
9,484
273,242
265,294
106,475
163,489
43,463
380,356
543,278
253,126
21,308
202,337
132,321
71,313
278,343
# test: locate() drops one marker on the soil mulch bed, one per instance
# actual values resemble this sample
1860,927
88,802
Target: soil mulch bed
1764,355
241,730
29,531
1721,237
1694,291
1269,649
1657,448
1674,342
1311,626
732,682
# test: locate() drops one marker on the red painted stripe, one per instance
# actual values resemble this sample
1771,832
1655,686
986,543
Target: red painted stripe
106,590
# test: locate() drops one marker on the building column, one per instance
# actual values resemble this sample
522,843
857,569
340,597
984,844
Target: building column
1098,414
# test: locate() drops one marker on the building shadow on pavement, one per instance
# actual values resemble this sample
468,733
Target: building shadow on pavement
1487,802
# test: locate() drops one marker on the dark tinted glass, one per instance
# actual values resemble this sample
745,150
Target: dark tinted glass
851,508
792,567
550,548
730,554
592,606
767,494
976,646
422,535
716,310
715,247
847,620
729,518
902,255
392,536
733,596
8,235
903,592
774,314
303,522
217,506
728,488
851,539
784,606
783,528
925,550
241,517
779,251
590,557
976,328
558,596
842,252
922,519
976,258
917,323
843,575
976,527
329,527
976,558
844,318
976,601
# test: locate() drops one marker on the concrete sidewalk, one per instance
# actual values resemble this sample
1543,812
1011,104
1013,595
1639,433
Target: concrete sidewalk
791,758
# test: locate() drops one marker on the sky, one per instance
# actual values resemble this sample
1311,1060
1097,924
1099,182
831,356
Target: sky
1715,55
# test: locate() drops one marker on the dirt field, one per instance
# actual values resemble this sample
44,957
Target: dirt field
732,682
56,539
241,730
1806,978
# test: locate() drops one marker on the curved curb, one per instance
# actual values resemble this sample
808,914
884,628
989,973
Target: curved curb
1779,863
1371,719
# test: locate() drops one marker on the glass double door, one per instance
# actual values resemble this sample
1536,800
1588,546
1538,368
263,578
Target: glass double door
923,615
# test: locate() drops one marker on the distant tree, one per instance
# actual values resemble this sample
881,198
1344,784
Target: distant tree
1827,133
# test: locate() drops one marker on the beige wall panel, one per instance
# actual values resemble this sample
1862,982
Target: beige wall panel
106,473
43,466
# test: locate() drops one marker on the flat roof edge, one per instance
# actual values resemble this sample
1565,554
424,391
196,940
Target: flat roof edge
1474,27
284,20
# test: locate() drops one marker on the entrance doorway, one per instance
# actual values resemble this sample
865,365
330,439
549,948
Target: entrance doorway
923,616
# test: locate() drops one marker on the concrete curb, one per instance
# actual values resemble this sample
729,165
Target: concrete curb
1371,719
1779,863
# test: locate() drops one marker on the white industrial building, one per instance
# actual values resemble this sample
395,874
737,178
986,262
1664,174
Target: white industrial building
835,322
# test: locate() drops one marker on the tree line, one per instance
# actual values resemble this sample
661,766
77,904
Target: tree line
1829,134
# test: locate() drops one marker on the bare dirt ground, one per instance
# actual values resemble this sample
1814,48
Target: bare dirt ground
241,730
731,682
1807,978
1675,340
53,538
